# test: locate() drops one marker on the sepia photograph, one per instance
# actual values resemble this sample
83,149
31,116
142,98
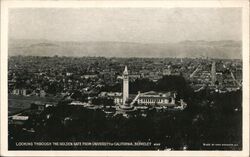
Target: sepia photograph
126,79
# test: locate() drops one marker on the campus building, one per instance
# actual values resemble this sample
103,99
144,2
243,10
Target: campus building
147,98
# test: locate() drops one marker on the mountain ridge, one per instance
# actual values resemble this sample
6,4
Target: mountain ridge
228,49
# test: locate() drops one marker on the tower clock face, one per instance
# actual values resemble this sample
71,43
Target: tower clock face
125,77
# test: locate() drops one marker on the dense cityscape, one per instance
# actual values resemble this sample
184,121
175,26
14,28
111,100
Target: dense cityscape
176,103
58,76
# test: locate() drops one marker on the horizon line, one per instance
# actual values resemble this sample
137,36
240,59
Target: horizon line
91,41
109,57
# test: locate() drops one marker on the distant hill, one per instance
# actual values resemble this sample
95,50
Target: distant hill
227,49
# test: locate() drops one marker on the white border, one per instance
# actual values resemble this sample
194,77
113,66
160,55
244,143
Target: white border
5,5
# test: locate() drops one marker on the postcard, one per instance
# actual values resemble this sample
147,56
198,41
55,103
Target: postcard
125,78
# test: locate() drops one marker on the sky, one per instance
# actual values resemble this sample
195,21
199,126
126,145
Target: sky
141,25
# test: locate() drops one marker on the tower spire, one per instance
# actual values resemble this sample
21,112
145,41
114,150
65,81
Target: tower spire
125,70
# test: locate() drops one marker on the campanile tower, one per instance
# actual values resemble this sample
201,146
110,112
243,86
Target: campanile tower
213,73
125,85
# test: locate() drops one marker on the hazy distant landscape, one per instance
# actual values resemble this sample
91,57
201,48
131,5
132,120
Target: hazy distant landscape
228,49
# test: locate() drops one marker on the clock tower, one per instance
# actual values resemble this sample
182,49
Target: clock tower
125,86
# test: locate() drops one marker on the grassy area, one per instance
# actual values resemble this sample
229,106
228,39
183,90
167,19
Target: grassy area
18,103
